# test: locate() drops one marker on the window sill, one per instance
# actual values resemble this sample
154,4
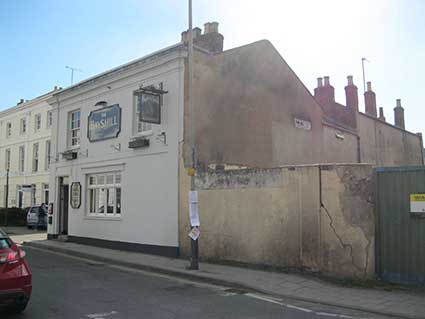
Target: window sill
72,148
108,218
142,134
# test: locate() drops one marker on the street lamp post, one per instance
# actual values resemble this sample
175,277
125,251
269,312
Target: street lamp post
194,264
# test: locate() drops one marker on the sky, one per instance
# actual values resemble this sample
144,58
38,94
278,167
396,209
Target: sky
38,38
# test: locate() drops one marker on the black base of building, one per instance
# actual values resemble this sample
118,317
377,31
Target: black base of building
167,251
51,236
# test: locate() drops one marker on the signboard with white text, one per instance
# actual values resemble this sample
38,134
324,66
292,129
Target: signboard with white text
104,123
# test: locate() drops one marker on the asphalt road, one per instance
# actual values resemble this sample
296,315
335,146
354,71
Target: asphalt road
72,288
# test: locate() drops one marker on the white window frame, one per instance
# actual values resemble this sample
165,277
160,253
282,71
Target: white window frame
7,155
103,181
35,157
37,122
8,129
21,163
23,125
72,130
48,152
49,121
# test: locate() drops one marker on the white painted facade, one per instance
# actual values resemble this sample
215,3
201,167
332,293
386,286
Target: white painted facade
148,212
25,134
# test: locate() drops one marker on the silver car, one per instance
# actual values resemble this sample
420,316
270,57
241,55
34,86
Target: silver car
37,217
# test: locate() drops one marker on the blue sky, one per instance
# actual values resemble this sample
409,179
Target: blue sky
328,37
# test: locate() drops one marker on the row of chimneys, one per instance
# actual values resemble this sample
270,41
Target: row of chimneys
325,94
210,40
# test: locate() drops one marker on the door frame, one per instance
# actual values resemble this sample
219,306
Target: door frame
63,205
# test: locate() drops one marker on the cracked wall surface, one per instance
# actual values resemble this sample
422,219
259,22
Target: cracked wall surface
315,218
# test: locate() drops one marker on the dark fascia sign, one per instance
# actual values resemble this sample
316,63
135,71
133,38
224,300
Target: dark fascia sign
150,107
104,123
75,195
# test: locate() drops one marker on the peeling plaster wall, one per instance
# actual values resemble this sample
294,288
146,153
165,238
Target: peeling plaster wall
316,218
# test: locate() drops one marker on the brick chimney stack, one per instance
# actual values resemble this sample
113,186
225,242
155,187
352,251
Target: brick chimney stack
324,94
370,100
211,40
399,114
381,114
351,96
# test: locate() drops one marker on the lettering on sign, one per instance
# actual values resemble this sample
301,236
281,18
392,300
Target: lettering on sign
417,203
104,123
305,125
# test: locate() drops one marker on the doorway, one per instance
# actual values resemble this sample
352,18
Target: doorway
63,205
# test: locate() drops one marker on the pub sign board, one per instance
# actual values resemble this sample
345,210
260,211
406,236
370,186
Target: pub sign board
150,107
104,123
75,195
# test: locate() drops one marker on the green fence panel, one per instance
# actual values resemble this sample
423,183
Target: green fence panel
400,233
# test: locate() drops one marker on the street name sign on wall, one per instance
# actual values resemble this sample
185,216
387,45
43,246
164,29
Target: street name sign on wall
417,203
75,195
104,123
305,125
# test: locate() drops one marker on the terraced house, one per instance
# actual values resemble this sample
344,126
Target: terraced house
25,148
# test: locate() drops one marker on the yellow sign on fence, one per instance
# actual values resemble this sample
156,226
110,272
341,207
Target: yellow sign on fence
417,203
417,197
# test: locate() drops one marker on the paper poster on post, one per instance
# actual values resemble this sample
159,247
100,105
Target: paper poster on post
193,208
194,233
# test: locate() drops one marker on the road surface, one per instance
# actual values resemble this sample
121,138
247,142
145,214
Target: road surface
74,288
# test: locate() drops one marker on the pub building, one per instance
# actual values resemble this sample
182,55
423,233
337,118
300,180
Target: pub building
115,142
121,141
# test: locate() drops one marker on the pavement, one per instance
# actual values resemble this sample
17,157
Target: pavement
23,234
70,287
399,304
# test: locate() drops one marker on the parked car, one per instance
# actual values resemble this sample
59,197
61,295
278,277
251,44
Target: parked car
15,276
37,217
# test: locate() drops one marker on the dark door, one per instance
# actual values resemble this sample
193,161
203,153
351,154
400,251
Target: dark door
64,202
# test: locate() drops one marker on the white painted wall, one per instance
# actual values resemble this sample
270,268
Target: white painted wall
149,210
26,110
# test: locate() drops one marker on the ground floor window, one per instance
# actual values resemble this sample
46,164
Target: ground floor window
104,194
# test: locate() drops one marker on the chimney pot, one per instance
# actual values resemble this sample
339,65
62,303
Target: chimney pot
381,114
370,100
210,27
324,95
399,114
369,86
207,28
327,83
214,27
351,95
196,32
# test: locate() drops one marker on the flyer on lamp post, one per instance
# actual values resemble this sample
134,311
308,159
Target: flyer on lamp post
193,209
194,233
